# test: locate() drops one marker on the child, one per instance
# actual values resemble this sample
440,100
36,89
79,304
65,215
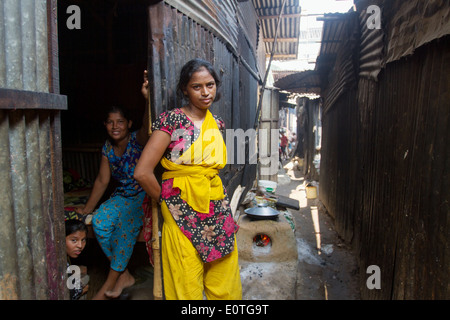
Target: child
76,234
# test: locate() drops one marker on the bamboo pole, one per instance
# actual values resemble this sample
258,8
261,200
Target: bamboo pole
157,275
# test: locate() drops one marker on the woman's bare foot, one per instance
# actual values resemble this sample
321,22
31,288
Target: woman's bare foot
111,281
100,295
125,280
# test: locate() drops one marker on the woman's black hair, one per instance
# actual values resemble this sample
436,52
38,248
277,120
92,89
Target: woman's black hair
190,68
74,225
118,109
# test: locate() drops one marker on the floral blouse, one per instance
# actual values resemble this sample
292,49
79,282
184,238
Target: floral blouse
212,234
122,168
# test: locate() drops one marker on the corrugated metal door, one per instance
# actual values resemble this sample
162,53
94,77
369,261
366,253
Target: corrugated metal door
32,246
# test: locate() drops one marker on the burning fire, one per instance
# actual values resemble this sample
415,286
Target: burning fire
261,240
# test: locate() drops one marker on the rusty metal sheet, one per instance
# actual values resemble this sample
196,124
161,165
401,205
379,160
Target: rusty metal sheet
176,38
384,174
216,16
32,248
414,23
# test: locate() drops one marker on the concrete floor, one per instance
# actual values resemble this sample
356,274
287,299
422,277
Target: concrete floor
139,267
327,268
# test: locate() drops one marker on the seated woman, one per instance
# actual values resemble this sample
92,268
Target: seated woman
118,220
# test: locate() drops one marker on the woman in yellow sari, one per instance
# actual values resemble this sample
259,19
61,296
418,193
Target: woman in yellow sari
199,252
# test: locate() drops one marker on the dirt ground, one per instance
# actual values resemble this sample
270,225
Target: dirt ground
327,273
330,273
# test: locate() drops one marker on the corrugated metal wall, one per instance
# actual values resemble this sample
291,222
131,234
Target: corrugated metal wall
311,128
385,174
176,38
32,246
340,164
24,56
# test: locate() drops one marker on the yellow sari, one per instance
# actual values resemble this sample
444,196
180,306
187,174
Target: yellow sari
199,252
195,173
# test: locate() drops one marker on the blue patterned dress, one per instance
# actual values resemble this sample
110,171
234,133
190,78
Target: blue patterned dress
118,220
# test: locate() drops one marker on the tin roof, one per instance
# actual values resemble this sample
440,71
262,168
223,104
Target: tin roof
286,47
300,82
335,32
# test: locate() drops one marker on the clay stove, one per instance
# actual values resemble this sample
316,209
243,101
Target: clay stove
267,257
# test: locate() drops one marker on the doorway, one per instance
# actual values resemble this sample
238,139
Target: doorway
101,64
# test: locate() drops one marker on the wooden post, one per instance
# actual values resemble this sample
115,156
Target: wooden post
157,276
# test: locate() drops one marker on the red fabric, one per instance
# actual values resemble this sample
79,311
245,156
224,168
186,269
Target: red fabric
147,226
284,141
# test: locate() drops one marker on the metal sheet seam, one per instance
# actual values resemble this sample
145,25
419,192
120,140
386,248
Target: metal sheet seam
201,16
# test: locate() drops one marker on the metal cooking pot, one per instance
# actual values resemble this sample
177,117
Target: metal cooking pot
261,211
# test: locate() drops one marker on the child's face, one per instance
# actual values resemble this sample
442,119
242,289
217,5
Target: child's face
75,243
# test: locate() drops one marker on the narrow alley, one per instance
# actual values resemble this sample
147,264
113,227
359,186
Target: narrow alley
327,268
358,90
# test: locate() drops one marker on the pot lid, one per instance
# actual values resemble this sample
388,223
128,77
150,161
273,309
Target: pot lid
262,210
